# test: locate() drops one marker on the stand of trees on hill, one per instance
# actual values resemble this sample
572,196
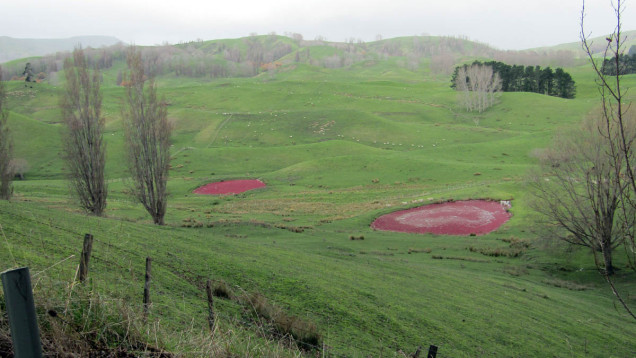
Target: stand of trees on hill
479,85
518,78
626,64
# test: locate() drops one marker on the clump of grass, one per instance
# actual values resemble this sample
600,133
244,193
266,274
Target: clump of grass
191,222
86,326
516,248
515,271
354,238
515,242
378,253
222,290
415,251
296,229
79,321
572,286
381,253
469,259
498,251
280,323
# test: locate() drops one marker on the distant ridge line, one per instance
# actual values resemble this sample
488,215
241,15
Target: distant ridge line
15,48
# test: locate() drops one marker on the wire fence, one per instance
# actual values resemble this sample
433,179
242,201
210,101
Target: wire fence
117,267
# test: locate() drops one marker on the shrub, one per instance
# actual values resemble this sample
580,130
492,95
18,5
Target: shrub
499,251
222,290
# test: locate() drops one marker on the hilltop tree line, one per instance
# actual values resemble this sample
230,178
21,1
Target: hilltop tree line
518,78
255,54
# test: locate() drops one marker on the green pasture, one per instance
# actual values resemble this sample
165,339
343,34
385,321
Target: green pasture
337,148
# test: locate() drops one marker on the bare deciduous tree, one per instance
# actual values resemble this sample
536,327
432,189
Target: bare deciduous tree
6,147
578,190
620,122
478,85
85,150
596,202
147,139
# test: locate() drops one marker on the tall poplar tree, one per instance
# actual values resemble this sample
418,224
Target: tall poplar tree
147,138
85,150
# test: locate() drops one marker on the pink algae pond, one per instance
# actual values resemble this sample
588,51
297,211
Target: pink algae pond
229,187
471,217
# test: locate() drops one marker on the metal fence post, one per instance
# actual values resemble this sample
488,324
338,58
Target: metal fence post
18,295
432,351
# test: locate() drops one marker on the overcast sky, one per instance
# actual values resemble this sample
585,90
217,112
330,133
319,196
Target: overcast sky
505,24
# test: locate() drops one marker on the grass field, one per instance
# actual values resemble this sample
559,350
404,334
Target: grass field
337,148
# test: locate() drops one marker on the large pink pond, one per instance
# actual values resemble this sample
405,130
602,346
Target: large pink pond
453,218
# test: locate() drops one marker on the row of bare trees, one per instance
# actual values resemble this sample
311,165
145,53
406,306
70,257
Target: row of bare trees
586,187
245,58
147,135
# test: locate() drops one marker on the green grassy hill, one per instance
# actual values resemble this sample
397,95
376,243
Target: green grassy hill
598,43
337,148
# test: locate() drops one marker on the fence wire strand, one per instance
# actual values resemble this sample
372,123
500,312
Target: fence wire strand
105,250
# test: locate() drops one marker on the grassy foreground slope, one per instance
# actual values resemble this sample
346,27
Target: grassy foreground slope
337,148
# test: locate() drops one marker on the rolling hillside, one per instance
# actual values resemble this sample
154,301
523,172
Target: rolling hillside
340,137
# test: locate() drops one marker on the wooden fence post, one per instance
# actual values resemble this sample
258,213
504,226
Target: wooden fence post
18,295
432,351
86,256
147,287
211,318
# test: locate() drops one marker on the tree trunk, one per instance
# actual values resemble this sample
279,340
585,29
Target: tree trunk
158,219
606,249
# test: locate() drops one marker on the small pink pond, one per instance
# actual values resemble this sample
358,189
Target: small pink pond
229,187
453,218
